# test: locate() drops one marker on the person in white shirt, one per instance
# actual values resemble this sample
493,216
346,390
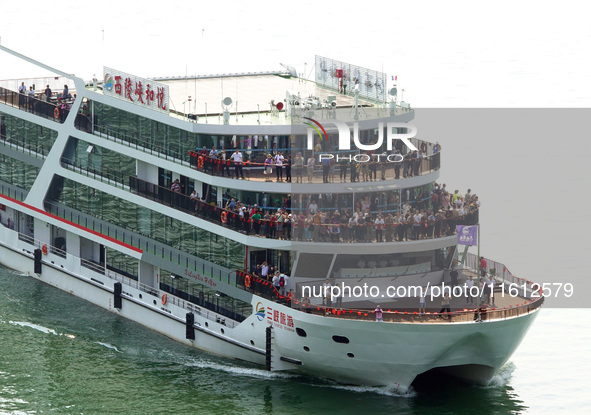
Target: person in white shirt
326,292
310,166
491,285
313,207
468,287
237,159
279,166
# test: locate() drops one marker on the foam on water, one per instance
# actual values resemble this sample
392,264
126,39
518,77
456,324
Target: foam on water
240,371
501,378
109,346
390,390
34,326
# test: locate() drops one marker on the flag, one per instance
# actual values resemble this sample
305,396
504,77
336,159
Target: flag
467,235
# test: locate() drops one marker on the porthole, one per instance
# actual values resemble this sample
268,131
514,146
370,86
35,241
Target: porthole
350,355
222,330
140,296
340,339
251,343
154,302
306,348
206,324
301,332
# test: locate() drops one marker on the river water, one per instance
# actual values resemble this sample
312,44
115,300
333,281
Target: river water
59,354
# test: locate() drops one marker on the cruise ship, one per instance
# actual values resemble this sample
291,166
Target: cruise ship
290,222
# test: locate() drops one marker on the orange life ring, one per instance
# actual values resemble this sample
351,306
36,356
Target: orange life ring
200,162
224,217
164,299
56,112
44,249
247,281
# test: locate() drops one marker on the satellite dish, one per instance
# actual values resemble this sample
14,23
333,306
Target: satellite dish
393,92
279,106
227,101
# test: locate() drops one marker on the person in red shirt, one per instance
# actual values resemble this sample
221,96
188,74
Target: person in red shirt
482,267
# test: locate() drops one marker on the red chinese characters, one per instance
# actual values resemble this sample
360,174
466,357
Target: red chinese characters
128,89
160,97
149,94
118,85
139,92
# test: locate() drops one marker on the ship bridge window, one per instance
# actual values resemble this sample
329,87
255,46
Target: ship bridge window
340,339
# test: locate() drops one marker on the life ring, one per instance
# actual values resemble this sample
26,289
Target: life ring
200,162
224,217
164,299
247,281
56,112
44,249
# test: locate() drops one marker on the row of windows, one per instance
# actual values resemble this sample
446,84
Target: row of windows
26,134
106,162
18,173
176,143
167,230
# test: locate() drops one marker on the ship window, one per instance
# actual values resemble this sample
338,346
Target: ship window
140,296
350,355
301,332
306,348
251,343
222,330
341,339
206,324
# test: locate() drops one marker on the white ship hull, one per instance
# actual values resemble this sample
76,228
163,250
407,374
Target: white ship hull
384,353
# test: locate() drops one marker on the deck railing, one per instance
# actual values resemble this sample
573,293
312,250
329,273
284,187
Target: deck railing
35,106
523,305
255,169
297,231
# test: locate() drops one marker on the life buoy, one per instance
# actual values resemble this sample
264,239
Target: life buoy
247,281
44,249
200,162
164,299
56,112
224,217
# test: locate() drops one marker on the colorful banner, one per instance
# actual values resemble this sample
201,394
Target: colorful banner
467,235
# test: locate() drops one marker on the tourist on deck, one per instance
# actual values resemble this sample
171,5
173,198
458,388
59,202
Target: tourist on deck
468,290
195,198
326,291
379,313
176,186
379,225
31,98
265,270
268,168
453,276
287,165
279,166
310,166
422,301
225,164
482,267
491,290
48,93
298,165
237,159
256,222
445,304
